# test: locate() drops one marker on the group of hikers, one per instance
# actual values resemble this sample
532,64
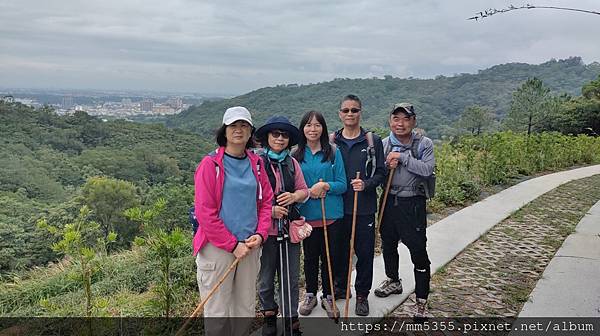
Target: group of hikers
257,204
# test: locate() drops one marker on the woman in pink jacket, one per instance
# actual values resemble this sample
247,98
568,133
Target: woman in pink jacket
233,207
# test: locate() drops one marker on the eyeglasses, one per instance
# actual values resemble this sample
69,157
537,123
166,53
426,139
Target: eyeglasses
347,110
277,134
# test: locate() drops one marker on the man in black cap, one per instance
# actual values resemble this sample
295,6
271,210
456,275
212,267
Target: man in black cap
410,156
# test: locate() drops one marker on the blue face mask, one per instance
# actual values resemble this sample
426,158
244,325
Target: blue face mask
279,157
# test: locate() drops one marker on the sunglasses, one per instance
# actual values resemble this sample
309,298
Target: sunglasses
277,134
347,110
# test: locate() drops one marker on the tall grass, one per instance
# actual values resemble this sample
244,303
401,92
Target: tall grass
473,162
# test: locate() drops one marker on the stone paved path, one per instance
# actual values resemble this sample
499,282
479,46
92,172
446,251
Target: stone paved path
494,275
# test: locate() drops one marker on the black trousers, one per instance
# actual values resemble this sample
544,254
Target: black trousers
315,257
364,248
404,219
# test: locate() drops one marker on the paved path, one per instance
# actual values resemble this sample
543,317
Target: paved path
570,285
494,275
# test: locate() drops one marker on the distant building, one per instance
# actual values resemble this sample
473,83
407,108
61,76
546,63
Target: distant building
175,102
67,102
163,109
146,105
8,99
126,102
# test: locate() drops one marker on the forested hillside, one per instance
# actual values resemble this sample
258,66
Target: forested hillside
46,159
439,101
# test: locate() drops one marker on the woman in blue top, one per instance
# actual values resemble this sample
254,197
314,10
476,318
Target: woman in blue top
319,160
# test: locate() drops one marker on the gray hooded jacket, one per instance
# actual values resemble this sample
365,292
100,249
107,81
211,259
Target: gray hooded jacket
408,175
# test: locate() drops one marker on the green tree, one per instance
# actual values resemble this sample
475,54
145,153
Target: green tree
108,198
578,115
592,89
164,245
529,107
476,118
84,242
178,197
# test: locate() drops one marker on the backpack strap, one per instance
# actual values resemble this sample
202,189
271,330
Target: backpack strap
370,141
371,157
387,146
333,150
414,147
288,172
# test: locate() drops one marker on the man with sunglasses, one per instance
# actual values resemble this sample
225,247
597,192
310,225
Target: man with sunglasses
362,152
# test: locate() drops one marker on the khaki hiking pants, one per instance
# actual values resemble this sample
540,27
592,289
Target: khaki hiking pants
235,298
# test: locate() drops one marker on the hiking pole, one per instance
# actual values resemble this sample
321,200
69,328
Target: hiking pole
281,240
289,291
335,312
286,241
200,306
385,195
351,249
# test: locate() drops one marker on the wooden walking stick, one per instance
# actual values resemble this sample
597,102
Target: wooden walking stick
200,306
385,195
351,249
335,312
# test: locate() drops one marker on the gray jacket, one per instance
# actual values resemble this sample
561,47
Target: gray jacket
410,170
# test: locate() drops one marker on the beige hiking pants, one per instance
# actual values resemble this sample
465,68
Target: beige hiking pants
236,297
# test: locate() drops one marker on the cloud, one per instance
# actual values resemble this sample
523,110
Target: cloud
236,46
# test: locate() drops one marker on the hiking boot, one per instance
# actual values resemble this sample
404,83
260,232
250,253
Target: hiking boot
340,294
362,306
420,310
389,287
310,302
270,326
295,327
328,305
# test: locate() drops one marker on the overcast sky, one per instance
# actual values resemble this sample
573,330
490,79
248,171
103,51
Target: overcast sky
236,46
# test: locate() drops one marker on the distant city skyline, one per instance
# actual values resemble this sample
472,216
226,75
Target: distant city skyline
229,48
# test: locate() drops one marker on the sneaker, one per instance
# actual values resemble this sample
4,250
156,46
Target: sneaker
270,326
362,306
389,287
310,302
340,294
333,312
420,310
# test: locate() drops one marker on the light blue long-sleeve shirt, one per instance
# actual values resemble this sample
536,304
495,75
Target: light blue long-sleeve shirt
334,174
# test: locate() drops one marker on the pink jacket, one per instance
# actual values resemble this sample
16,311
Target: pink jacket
208,180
